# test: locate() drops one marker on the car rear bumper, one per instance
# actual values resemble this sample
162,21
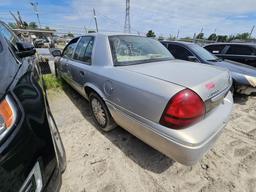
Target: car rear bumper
187,149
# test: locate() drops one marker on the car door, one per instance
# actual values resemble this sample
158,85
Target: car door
81,62
67,55
241,53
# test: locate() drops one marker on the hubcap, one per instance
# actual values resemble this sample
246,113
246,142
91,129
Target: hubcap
98,112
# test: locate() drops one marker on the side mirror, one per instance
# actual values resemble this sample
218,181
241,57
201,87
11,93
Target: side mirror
193,59
56,53
25,49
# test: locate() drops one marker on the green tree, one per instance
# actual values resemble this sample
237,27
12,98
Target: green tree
25,24
200,36
47,28
151,34
243,36
70,35
32,25
212,37
222,38
231,37
171,38
12,25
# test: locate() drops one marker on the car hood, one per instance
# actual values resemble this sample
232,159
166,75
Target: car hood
236,67
206,81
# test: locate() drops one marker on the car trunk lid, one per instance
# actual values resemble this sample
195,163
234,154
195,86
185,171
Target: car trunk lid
207,81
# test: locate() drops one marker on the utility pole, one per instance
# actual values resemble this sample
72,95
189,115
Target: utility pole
202,29
35,5
252,31
95,19
127,24
178,33
194,38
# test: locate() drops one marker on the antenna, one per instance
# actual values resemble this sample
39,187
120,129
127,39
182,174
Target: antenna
127,24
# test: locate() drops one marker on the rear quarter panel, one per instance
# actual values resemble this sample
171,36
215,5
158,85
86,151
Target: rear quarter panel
134,93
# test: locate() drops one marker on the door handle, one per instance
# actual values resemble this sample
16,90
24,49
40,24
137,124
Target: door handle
81,73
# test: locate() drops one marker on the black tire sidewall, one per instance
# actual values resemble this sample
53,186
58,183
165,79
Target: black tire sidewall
104,107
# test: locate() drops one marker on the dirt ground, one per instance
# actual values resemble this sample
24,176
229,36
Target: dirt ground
118,161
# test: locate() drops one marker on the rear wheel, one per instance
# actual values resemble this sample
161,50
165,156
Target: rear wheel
101,114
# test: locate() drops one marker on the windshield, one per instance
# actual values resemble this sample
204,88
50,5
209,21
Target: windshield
130,50
203,53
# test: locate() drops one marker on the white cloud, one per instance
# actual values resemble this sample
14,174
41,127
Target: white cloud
162,16
165,16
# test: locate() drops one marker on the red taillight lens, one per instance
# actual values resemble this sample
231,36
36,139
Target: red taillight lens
184,109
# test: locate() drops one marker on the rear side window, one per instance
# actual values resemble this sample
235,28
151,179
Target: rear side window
179,52
70,48
215,49
84,49
239,50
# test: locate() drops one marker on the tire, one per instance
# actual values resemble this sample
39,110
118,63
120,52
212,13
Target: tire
100,113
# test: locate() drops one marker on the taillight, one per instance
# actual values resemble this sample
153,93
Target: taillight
184,109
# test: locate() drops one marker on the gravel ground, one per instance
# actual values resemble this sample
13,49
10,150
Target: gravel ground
118,161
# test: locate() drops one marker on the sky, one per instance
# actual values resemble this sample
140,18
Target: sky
164,17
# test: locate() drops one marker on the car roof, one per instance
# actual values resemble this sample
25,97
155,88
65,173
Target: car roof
178,42
108,34
250,44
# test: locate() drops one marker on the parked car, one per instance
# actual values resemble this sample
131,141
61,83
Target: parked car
32,156
244,76
240,52
134,82
44,42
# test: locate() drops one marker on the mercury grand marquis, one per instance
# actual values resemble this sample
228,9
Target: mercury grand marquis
176,107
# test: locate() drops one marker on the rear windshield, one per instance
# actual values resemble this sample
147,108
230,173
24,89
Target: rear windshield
131,50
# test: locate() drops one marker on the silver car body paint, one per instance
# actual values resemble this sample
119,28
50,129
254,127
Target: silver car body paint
137,95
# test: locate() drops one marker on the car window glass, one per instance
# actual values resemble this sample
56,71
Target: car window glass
179,52
69,49
9,36
133,50
239,50
215,49
84,49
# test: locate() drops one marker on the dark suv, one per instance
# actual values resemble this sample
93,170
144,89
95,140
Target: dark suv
240,52
32,156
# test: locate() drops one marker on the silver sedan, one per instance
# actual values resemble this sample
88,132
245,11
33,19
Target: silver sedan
177,107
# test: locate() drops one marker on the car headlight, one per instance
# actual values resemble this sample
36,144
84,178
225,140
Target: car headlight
251,80
8,116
